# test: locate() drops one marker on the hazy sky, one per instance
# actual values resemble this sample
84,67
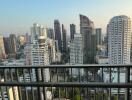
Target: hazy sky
17,16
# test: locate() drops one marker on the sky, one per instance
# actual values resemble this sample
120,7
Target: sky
17,16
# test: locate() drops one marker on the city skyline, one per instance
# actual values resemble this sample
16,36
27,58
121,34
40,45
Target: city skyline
65,50
18,16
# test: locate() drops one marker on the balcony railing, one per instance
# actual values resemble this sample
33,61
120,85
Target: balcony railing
66,82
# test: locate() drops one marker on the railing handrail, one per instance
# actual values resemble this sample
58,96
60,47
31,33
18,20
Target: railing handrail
68,84
72,66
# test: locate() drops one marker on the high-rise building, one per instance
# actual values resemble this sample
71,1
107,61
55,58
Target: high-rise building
21,39
72,31
51,50
28,40
50,33
87,31
57,30
131,50
93,48
119,40
6,45
2,48
41,51
76,52
64,40
13,46
34,32
38,32
98,36
39,56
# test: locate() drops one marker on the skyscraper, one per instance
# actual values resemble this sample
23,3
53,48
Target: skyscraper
13,45
50,33
2,48
64,41
34,32
72,31
76,53
6,45
119,40
38,33
57,30
39,54
87,30
98,36
93,48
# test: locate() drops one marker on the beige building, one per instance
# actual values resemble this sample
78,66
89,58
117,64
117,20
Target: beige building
2,48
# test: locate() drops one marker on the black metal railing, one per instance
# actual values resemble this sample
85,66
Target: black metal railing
66,82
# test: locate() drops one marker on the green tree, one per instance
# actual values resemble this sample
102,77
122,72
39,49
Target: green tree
78,97
62,93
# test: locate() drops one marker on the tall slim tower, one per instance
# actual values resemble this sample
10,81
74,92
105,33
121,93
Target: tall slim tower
34,32
72,31
64,42
87,31
7,45
57,30
119,40
2,48
13,45
38,32
76,53
98,36
50,33
39,54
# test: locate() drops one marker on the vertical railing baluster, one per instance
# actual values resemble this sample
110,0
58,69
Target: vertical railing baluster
66,92
71,76
1,87
95,94
118,72
32,89
87,80
73,95
64,74
37,80
59,92
57,82
2,93
24,78
102,77
65,81
79,74
6,87
19,88
80,93
110,73
10,71
57,73
43,80
51,76
102,74
127,94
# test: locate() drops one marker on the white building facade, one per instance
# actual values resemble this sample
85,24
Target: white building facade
76,53
119,40
39,54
